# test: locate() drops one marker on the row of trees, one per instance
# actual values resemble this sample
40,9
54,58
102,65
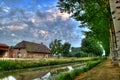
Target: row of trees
102,17
92,14
90,47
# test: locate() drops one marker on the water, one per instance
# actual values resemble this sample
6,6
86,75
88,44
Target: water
8,78
70,68
46,76
41,74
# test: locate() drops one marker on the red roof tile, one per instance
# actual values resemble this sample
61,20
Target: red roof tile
3,45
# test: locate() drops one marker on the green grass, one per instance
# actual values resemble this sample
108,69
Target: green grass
71,75
6,65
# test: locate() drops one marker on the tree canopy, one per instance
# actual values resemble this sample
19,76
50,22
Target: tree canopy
93,14
58,48
91,46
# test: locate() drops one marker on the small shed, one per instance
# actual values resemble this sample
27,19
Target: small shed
4,50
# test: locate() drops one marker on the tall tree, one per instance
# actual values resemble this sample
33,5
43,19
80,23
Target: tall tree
115,10
91,46
66,49
56,46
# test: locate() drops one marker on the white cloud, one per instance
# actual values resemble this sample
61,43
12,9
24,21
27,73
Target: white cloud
13,35
43,32
16,27
50,10
1,29
7,9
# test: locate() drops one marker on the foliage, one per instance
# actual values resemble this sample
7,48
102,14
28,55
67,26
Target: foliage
75,49
91,46
58,48
66,49
93,14
83,54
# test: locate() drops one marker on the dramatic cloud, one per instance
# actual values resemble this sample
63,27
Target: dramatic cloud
37,23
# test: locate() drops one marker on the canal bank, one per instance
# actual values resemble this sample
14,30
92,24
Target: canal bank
37,73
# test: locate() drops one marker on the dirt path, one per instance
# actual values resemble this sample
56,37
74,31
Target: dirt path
103,71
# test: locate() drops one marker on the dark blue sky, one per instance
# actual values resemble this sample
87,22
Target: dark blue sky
37,21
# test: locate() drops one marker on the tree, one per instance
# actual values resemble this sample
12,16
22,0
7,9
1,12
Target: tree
56,47
66,49
91,46
115,11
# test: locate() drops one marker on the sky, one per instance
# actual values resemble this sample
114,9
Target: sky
37,21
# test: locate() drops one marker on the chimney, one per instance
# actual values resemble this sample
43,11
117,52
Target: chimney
41,43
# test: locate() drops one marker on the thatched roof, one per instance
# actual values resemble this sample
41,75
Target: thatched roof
32,47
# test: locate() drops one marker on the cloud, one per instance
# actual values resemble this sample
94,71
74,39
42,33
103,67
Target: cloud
38,25
13,35
1,29
50,10
16,27
43,32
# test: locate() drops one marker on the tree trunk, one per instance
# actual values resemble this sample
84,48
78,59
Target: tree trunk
113,53
115,11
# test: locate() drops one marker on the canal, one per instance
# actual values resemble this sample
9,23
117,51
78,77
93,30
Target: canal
39,73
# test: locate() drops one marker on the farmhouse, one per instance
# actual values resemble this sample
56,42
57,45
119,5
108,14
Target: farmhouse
4,50
28,49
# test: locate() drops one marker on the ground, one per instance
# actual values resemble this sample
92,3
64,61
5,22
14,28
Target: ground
103,71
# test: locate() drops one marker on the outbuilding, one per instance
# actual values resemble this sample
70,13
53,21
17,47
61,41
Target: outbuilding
4,50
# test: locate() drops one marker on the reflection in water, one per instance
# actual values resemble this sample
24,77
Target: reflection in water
47,76
8,78
70,68
37,79
44,74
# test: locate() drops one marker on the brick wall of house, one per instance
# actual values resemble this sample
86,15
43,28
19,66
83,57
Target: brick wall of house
23,53
37,55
